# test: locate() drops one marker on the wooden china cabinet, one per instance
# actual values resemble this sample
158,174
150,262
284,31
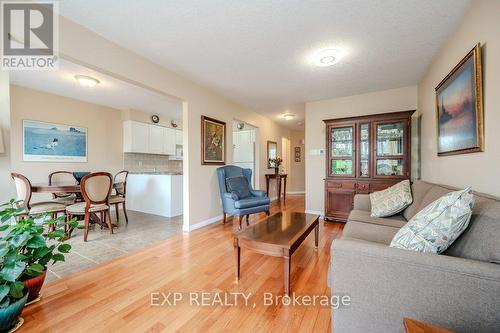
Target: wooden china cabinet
364,154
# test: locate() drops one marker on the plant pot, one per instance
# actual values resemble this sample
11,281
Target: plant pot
276,170
34,285
9,317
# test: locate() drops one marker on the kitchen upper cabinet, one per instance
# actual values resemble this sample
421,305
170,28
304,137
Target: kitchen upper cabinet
178,137
157,138
148,139
135,137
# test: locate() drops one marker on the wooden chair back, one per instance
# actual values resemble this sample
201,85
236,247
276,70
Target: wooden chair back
120,182
96,188
60,178
23,189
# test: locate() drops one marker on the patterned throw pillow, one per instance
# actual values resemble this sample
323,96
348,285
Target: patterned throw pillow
391,200
438,225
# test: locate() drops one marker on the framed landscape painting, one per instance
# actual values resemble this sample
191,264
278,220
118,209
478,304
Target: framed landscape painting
213,141
48,142
459,105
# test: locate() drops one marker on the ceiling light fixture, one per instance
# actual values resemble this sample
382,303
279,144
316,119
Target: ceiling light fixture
87,81
288,116
327,57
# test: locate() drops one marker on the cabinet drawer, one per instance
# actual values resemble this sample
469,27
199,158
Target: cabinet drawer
342,185
363,186
380,186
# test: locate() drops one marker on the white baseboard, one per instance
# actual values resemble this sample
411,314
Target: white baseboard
315,212
296,192
189,227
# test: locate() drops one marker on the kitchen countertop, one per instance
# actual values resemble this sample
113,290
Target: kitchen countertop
156,173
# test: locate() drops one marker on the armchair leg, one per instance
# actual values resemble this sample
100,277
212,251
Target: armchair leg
248,215
268,213
240,218
223,218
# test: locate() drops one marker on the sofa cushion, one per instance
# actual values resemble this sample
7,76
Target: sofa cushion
239,186
396,221
438,225
251,202
480,241
392,200
418,191
369,232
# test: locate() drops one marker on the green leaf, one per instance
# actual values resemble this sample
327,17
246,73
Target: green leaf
19,240
64,248
4,248
35,270
5,303
58,257
4,227
12,271
40,252
4,291
36,242
16,289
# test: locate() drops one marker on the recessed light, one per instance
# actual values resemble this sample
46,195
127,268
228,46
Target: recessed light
288,116
327,57
87,81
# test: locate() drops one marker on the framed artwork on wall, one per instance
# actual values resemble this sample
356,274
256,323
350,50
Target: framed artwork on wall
459,108
49,142
297,154
213,141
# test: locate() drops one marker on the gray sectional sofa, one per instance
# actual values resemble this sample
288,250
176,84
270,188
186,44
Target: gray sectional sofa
459,289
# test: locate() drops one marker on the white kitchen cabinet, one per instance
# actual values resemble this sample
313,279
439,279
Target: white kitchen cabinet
135,137
157,139
148,139
178,137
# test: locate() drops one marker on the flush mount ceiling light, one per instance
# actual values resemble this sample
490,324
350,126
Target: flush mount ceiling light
327,57
288,116
87,81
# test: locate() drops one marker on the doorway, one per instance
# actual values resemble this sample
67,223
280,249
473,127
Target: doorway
244,146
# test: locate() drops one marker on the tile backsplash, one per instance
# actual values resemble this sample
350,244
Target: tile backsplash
135,162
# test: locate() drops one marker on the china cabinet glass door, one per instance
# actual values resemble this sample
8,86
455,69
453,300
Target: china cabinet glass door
390,149
364,150
342,151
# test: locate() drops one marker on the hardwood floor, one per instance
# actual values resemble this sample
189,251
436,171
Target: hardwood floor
117,295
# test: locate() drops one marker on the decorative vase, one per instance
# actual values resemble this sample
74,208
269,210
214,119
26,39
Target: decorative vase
34,285
276,170
10,316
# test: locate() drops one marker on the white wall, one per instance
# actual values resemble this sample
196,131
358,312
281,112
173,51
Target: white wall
6,186
479,170
82,46
400,99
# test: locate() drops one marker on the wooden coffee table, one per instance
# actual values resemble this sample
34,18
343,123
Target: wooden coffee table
278,235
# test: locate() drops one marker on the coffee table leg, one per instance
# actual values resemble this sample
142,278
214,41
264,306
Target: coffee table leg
316,236
287,265
237,255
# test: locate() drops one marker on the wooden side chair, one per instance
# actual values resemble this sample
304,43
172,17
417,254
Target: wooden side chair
120,185
63,178
95,188
23,189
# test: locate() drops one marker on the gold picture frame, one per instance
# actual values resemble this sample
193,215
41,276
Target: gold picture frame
459,108
213,141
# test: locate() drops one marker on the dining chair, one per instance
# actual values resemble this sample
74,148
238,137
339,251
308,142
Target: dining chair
23,189
120,186
95,188
63,178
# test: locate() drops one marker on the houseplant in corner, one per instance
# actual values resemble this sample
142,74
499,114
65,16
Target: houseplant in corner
40,241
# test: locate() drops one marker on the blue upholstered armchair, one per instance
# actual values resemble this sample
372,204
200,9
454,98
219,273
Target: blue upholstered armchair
237,195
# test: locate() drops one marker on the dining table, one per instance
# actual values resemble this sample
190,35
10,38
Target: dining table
69,188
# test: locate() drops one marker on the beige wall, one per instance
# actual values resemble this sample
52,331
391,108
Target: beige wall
201,199
6,186
400,99
297,169
104,126
480,24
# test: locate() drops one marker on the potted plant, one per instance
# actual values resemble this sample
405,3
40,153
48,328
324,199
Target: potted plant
40,241
275,163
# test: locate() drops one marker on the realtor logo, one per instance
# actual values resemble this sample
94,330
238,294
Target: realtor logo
29,35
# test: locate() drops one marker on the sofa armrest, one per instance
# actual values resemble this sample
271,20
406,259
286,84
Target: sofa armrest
258,193
387,284
362,202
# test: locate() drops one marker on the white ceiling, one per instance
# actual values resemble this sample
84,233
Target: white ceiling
256,52
109,92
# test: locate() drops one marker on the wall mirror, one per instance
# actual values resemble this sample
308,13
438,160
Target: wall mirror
272,152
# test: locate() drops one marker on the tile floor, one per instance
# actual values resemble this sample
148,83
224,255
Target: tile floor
142,230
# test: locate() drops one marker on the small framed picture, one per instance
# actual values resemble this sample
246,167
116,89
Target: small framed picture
297,154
